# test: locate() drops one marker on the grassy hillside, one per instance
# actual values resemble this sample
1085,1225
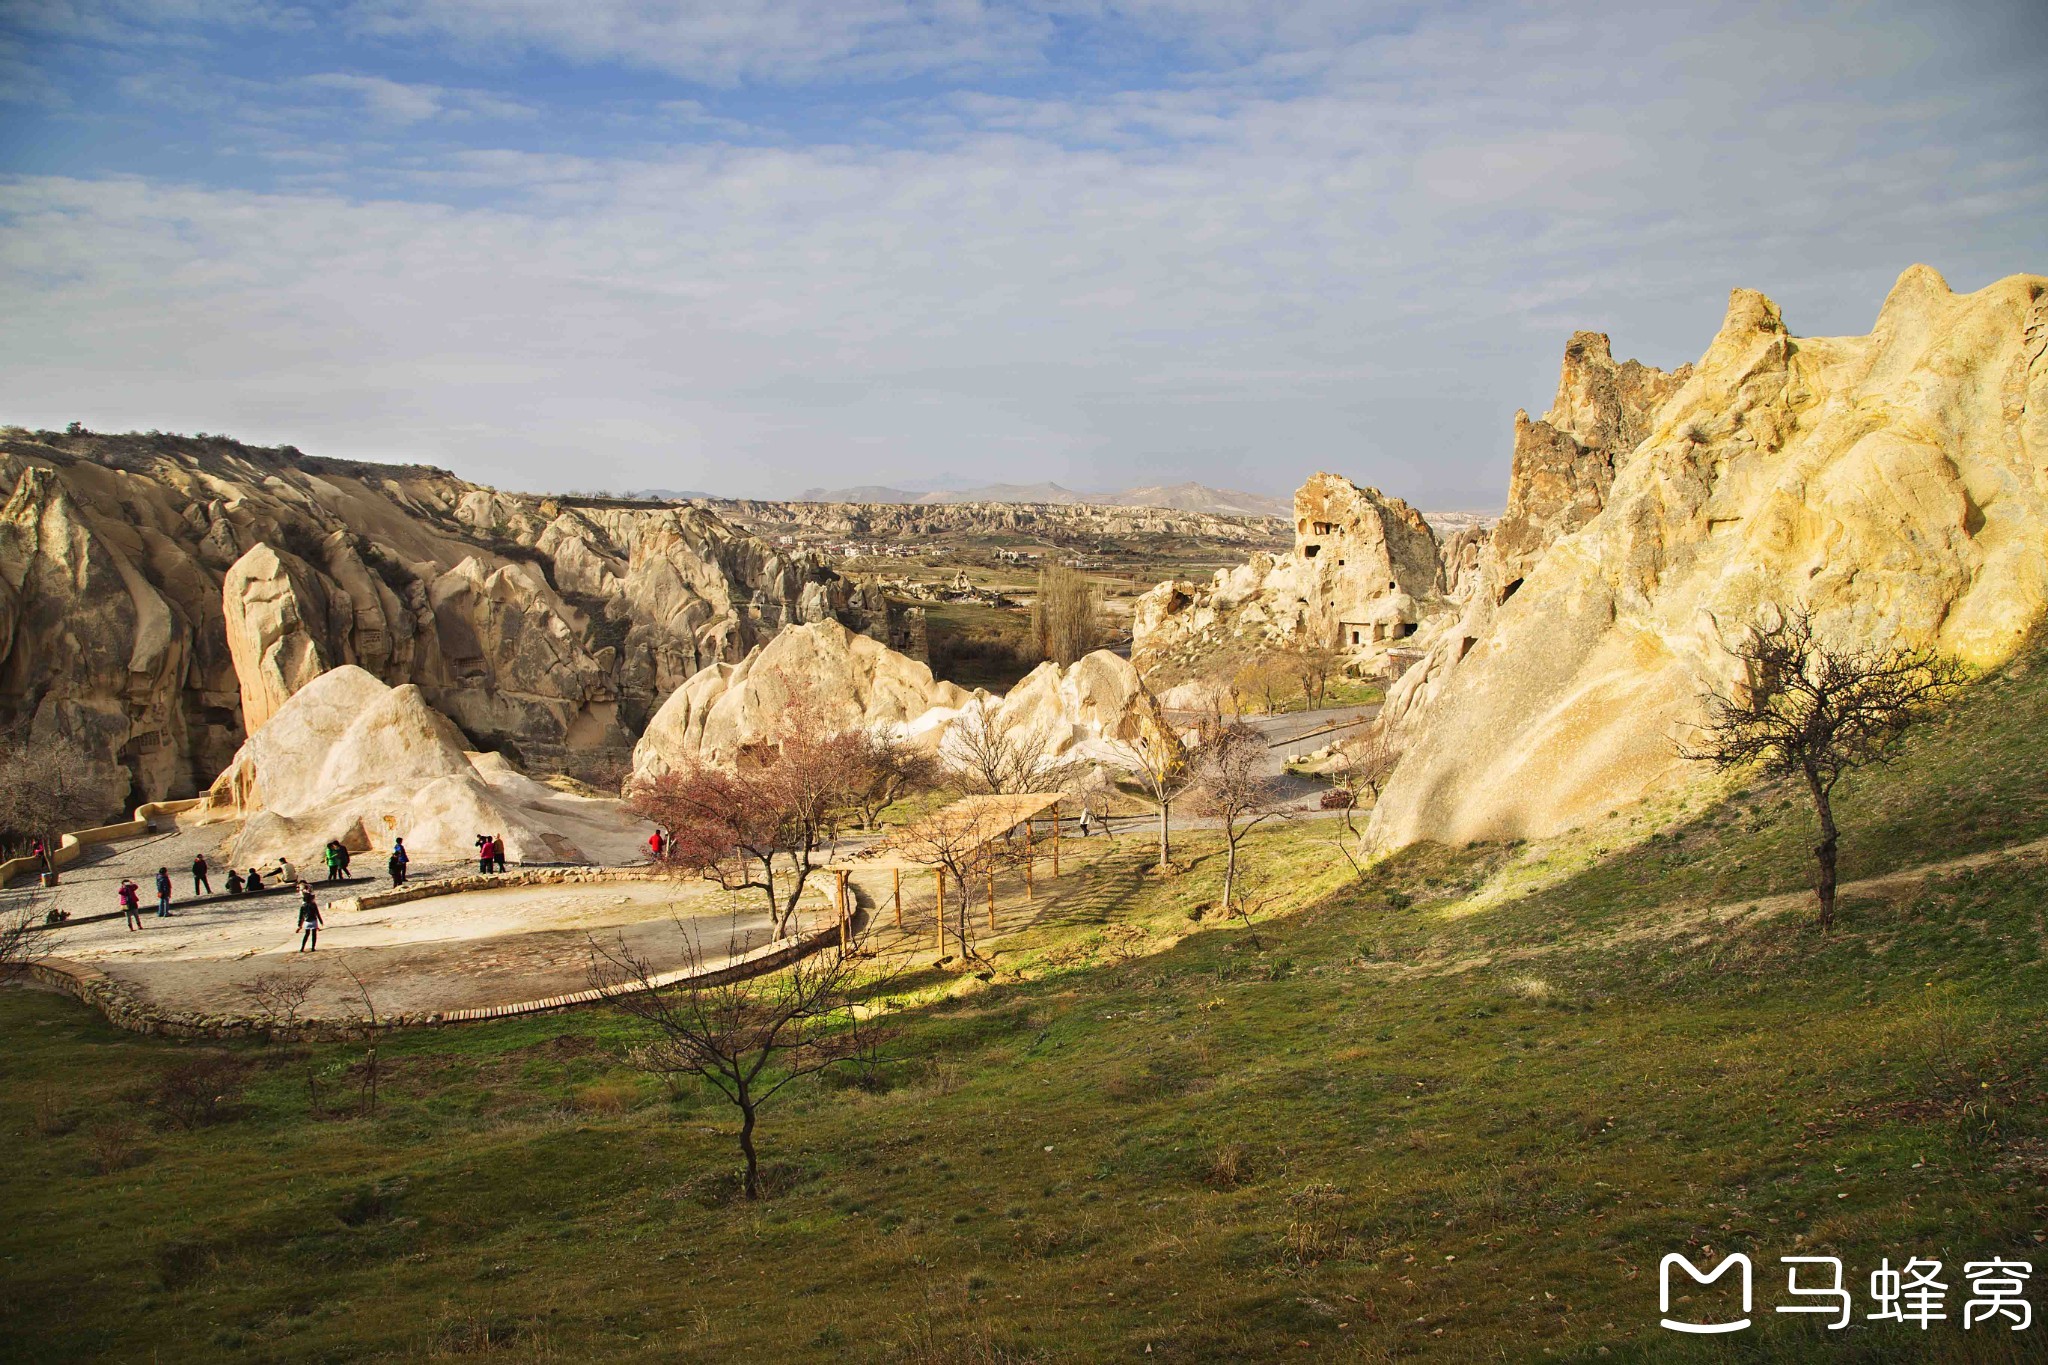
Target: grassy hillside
1455,1110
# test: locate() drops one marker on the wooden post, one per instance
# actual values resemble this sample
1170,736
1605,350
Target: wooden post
939,906
1055,838
1027,860
842,913
896,875
991,902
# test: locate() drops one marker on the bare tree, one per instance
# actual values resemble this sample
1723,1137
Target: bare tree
986,756
1161,765
739,828
748,1038
888,770
1066,615
1265,676
1368,761
49,785
1230,786
1814,711
1313,666
277,997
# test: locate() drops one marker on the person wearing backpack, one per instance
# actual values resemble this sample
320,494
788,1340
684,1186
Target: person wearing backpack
309,919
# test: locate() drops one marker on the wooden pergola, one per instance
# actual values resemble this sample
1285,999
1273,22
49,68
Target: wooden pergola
969,824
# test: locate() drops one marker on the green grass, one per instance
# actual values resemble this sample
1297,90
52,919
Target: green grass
1457,1110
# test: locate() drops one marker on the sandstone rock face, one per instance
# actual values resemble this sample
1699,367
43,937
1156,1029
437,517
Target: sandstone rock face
1363,572
856,682
1080,526
1086,711
266,598
160,596
851,680
1563,469
347,757
1896,484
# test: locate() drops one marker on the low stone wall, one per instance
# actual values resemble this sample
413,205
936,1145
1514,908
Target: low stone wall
124,1009
69,845
491,881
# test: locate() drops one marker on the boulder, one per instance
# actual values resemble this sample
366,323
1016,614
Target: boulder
1890,483
851,680
855,682
348,757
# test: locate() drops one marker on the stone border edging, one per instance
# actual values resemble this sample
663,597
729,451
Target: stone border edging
70,846
119,1003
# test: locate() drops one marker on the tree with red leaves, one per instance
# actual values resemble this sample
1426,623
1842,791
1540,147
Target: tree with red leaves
765,825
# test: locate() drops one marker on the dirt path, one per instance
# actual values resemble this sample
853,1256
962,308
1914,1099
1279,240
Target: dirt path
1680,920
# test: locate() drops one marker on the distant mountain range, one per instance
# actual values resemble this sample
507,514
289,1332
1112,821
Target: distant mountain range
1183,497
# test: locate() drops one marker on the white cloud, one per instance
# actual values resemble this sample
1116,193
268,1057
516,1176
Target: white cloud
1365,261
398,102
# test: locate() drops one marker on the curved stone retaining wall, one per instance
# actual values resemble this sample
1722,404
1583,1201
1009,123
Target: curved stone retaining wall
125,1009
69,845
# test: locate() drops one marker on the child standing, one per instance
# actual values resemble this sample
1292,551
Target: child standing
309,919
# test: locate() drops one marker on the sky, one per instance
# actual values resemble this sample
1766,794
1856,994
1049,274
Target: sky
754,246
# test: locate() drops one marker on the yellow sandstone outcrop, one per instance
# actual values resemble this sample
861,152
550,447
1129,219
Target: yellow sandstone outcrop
1896,484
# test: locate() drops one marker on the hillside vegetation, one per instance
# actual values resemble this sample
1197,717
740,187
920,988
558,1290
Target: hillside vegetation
1455,1109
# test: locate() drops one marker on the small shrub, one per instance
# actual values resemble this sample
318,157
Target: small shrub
1337,798
605,1097
1229,1167
110,1147
199,1091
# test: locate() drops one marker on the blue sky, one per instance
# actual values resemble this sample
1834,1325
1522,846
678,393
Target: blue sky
765,244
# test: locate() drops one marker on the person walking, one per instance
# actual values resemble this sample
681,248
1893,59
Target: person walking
163,893
395,864
131,903
498,851
309,919
201,883
1085,817
483,853
342,849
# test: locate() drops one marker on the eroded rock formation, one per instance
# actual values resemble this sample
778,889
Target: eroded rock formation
160,596
347,757
1896,484
1363,572
852,681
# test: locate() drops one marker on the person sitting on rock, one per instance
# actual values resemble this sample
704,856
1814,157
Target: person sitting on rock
234,882
253,882
131,903
286,874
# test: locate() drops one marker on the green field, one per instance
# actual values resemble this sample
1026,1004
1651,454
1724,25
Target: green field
1457,1109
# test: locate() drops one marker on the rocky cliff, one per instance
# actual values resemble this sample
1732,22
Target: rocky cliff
1896,484
1076,526
161,596
1363,572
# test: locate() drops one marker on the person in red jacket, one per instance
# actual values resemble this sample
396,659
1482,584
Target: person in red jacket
655,843
131,903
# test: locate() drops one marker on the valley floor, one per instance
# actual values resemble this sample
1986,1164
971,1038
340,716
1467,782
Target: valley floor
1457,1108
